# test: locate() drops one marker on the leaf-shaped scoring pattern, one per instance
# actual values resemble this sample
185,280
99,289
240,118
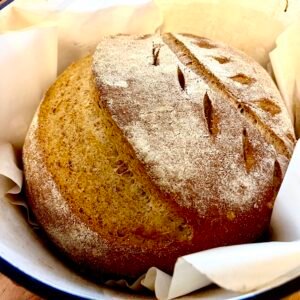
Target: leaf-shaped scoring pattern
268,106
210,116
144,36
221,59
291,137
202,43
242,78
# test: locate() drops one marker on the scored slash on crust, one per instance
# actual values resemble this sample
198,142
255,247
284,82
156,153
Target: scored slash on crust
268,106
242,78
181,78
186,57
248,152
155,54
210,116
221,59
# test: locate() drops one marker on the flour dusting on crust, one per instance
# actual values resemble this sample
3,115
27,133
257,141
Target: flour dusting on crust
167,125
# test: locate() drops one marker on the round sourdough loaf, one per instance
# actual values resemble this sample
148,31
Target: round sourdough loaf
155,147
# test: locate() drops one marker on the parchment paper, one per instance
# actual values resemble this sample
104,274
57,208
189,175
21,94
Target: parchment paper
287,69
40,38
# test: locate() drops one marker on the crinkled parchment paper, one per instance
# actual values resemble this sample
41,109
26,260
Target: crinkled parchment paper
38,39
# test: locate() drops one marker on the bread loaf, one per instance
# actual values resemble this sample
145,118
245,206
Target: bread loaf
155,147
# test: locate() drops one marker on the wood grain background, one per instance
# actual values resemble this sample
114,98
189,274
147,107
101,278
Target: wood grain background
11,291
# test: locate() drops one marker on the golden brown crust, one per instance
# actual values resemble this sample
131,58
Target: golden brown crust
55,157
179,149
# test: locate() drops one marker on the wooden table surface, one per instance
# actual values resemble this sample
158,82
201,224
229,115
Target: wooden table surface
11,291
